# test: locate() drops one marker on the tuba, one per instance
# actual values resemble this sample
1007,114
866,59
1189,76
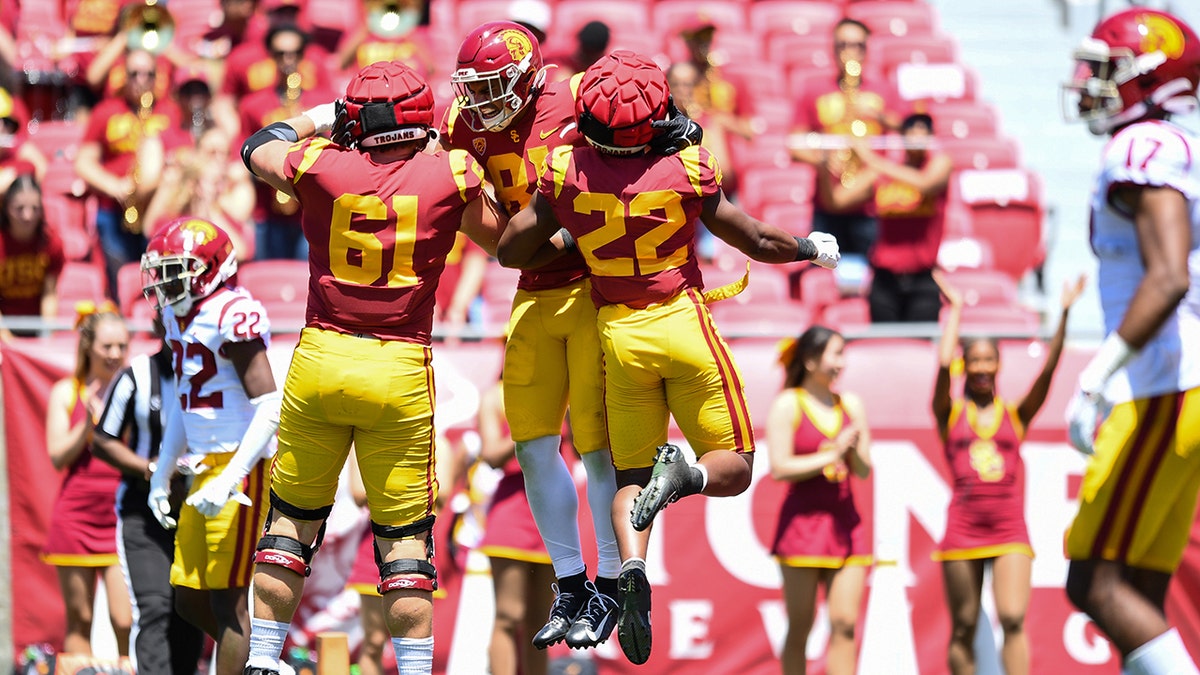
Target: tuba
149,25
389,19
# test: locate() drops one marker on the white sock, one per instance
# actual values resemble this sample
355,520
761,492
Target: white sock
266,643
414,656
601,489
553,501
1164,655
703,472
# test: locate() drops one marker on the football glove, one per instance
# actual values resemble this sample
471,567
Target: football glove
828,252
676,132
1084,413
323,117
342,132
159,499
210,499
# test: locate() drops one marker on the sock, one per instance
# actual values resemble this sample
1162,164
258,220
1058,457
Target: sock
1164,655
414,656
266,643
607,586
601,489
574,583
703,470
553,501
633,564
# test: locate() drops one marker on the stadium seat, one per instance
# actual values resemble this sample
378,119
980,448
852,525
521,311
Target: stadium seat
893,50
499,287
802,17
965,251
847,314
57,139
129,286
670,15
983,286
998,320
621,16
68,216
775,113
817,288
981,152
888,17
472,13
79,282
771,185
765,150
1005,209
280,285
736,320
795,219
921,83
811,51
963,119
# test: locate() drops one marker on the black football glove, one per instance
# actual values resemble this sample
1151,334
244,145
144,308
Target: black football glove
676,132
343,126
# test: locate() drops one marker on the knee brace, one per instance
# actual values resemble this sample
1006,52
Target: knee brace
270,546
406,566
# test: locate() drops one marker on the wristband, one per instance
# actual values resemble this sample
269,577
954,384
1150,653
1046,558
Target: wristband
1113,354
322,117
805,249
567,239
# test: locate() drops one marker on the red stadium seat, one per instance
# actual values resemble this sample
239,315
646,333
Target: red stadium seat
795,219
275,282
965,251
998,319
669,16
775,113
772,185
981,152
499,287
621,16
983,286
736,320
1005,209
888,17
928,82
847,314
472,13
811,51
758,79
802,17
893,50
129,285
765,150
57,139
68,216
818,288
963,119
79,282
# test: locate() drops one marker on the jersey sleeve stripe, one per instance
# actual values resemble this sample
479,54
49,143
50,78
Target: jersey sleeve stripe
558,164
310,157
460,162
691,161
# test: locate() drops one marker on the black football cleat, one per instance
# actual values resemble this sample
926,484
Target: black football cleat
563,612
633,621
595,623
671,479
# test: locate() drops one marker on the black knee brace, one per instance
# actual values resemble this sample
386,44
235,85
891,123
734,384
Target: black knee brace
406,566
270,546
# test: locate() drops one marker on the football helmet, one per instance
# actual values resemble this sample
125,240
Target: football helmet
186,260
499,73
386,102
1136,64
620,97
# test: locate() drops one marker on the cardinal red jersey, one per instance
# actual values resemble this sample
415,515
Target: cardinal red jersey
988,502
24,266
116,127
818,521
513,159
910,227
633,218
250,68
378,234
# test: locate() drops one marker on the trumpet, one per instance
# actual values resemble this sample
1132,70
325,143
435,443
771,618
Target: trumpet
391,18
149,25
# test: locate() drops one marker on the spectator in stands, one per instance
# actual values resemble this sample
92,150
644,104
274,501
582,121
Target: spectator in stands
194,95
909,199
31,257
392,32
82,534
982,434
817,437
17,154
206,182
522,573
850,104
715,93
128,436
591,43
277,215
240,22
121,158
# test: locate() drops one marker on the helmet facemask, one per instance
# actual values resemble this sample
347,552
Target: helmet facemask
489,100
177,280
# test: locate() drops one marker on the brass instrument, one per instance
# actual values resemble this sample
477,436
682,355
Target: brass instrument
850,84
150,26
133,214
386,19
285,203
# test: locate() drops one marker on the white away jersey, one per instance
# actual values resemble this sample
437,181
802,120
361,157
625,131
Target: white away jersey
1153,153
216,410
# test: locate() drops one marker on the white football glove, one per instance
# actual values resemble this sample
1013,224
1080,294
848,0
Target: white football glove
210,499
159,502
1084,413
828,253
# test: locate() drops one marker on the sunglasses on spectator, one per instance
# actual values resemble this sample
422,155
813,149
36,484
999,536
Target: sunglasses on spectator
280,53
850,45
141,73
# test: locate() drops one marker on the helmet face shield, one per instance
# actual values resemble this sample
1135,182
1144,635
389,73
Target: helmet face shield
1091,94
167,281
488,101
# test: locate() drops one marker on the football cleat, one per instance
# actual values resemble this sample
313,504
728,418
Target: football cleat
670,480
633,621
563,612
595,623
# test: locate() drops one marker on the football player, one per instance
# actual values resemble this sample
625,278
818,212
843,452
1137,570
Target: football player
632,213
510,118
380,216
1142,388
219,428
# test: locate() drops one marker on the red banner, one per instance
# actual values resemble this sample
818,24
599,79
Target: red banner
717,604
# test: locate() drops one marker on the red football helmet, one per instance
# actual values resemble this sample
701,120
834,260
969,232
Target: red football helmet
1136,64
499,73
387,102
619,97
186,260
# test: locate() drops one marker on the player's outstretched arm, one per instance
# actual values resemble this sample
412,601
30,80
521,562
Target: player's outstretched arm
763,242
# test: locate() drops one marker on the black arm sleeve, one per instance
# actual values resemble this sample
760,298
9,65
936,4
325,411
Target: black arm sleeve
805,249
276,131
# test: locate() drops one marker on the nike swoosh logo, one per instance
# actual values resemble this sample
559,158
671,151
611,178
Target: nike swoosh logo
547,134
